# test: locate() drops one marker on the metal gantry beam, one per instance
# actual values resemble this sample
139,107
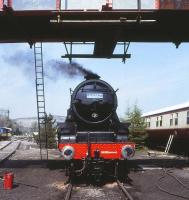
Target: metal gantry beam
102,54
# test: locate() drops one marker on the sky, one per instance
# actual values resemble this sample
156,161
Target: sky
154,77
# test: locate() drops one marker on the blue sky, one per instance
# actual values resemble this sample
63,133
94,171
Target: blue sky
155,76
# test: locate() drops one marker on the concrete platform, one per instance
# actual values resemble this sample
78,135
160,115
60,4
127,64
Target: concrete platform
3,144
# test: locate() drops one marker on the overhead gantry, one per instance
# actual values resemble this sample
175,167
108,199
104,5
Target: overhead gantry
104,28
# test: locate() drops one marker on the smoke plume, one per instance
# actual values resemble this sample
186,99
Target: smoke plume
53,69
20,58
72,69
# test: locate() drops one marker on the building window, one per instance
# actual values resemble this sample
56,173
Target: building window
176,119
171,120
148,122
157,122
161,121
187,117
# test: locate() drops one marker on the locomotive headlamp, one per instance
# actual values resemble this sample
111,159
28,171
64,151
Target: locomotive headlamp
68,152
127,151
94,115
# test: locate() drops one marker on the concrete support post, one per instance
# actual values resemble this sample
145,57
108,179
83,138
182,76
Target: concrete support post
58,4
9,3
157,4
1,4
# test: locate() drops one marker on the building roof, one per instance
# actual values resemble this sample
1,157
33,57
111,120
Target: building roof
167,109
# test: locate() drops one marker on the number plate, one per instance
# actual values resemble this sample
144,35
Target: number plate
94,96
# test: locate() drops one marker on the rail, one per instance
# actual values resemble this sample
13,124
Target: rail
120,185
69,191
8,151
4,145
125,192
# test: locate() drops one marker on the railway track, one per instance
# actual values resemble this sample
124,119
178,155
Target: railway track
124,190
126,195
8,150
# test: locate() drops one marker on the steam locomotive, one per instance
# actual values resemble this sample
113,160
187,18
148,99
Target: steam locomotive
92,139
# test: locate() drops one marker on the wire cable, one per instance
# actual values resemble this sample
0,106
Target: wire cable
166,191
176,178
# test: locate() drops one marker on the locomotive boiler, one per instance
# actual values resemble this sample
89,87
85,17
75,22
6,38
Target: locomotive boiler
92,139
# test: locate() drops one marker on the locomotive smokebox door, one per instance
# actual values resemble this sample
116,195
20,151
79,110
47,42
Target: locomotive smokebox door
94,101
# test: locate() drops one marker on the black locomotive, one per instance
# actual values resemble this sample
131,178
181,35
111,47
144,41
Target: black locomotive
92,132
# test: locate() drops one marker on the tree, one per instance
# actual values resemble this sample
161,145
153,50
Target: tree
34,127
137,127
48,133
